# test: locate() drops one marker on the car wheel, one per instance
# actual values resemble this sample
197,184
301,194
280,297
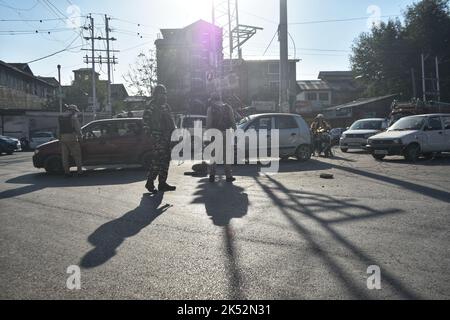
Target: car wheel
53,165
303,153
345,150
412,153
378,157
146,160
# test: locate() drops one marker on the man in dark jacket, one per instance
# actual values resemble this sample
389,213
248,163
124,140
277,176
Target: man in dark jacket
159,125
221,117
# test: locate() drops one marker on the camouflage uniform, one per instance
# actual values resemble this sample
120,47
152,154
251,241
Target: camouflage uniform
159,125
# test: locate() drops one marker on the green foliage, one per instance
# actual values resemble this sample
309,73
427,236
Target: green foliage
383,58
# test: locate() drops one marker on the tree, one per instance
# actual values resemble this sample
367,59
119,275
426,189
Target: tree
383,58
142,76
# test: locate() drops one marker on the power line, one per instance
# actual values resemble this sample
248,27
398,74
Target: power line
18,9
339,20
276,32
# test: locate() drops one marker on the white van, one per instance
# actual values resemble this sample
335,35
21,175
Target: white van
412,137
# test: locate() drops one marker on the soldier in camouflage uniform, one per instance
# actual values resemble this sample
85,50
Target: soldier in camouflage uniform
159,125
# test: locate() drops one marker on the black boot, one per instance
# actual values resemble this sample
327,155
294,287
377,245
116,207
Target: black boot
150,186
164,187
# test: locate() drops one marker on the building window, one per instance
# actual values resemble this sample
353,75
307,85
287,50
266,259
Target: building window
324,96
311,96
274,68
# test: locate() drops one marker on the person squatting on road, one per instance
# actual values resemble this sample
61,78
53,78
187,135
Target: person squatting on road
159,125
319,125
70,136
221,117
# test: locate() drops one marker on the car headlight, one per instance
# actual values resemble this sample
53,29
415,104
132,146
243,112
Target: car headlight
36,152
343,136
398,141
369,141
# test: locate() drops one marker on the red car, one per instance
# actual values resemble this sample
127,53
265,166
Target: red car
105,142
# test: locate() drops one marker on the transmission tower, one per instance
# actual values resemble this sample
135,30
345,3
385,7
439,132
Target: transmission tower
225,14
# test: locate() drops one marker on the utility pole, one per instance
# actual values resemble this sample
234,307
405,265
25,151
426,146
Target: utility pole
108,103
108,60
438,85
60,89
284,62
94,92
424,89
413,77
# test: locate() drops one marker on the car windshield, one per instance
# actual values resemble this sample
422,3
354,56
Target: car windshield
367,125
414,123
243,121
42,135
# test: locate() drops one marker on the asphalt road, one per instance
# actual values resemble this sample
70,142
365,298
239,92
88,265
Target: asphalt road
290,235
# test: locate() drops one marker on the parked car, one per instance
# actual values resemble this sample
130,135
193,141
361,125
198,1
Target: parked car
336,134
357,135
38,138
105,142
295,135
412,137
8,145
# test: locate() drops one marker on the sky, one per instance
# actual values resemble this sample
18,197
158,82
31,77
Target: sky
320,44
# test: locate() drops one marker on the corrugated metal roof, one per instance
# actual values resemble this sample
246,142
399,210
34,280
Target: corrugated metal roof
313,85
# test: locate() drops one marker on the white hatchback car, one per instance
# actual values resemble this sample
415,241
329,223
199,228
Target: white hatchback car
295,135
357,135
412,137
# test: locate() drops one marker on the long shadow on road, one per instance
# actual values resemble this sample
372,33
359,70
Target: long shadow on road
417,188
310,205
224,202
108,238
38,181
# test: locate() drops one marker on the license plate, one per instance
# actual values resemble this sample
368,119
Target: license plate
381,152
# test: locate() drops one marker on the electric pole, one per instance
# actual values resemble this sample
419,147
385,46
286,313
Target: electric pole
60,89
94,90
108,103
284,62
100,60
424,88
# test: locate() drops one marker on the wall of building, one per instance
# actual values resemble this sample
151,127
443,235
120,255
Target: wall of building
14,99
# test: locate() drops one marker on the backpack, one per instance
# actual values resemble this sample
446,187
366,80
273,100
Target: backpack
66,125
220,117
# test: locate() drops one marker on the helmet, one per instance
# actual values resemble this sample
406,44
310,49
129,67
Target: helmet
320,116
72,107
159,89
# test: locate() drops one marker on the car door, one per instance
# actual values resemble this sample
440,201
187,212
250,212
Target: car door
289,133
262,123
128,141
434,133
98,144
446,123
